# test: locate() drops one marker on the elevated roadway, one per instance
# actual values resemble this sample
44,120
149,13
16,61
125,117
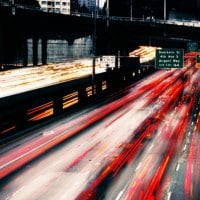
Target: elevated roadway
122,34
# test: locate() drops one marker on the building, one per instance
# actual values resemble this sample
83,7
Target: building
75,7
57,6
91,5
88,4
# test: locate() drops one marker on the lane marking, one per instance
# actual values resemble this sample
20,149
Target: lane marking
184,148
138,166
169,195
177,167
119,195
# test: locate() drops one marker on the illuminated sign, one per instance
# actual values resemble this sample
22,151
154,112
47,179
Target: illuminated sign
198,61
169,58
108,61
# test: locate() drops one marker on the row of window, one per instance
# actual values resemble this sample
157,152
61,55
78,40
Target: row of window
56,10
55,3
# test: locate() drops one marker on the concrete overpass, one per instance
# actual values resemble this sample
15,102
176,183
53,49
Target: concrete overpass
112,34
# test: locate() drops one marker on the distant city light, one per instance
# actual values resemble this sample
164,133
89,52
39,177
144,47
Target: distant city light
101,3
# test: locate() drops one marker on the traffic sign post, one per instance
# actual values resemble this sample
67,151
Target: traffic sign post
169,58
108,61
198,61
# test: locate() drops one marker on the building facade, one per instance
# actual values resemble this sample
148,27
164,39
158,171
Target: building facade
89,4
57,6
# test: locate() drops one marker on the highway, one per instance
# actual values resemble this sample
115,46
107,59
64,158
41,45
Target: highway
143,145
30,78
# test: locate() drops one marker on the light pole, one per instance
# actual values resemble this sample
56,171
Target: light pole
131,9
13,6
107,13
165,10
108,26
94,50
97,8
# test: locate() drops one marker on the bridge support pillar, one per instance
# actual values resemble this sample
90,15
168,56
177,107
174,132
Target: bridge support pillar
57,104
44,50
25,52
82,95
35,51
99,88
70,42
1,46
70,47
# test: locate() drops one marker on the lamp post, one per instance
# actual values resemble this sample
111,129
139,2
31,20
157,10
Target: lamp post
165,10
13,6
97,8
108,26
107,13
94,50
131,9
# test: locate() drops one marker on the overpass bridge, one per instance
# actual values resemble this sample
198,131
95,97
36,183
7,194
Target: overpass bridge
111,33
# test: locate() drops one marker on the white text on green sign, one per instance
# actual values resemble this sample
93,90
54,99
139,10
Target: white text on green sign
169,58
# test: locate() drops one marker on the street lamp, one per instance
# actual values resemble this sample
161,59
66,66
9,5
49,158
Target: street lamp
94,50
107,14
13,6
165,10
131,9
97,8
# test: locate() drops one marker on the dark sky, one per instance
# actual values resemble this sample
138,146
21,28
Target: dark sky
151,7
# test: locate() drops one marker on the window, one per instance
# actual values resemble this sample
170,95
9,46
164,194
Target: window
57,10
44,9
44,3
64,3
57,3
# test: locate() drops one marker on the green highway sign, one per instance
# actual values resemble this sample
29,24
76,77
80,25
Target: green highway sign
192,46
169,58
198,61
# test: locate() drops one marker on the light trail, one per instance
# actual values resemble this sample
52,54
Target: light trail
140,131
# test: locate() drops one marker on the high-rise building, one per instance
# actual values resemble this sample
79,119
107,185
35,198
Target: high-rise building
75,7
57,6
89,4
